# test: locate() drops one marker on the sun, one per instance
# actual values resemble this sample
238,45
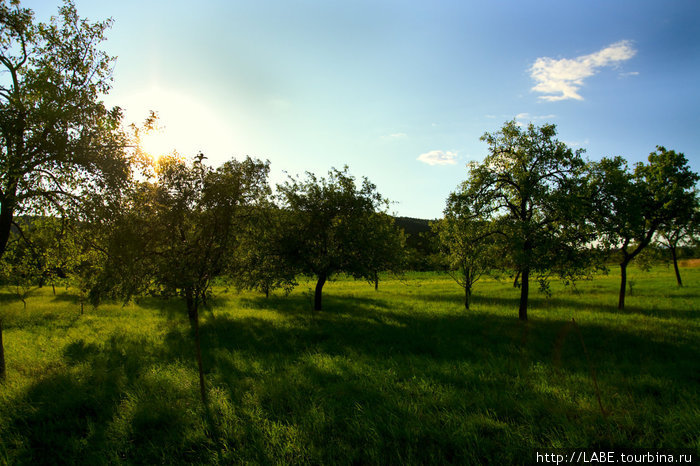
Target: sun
155,143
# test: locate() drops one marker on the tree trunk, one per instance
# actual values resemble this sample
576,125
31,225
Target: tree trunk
675,266
623,284
191,306
524,290
319,287
2,356
517,277
5,225
198,349
467,287
376,281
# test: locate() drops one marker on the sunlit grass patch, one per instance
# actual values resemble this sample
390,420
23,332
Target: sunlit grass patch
400,375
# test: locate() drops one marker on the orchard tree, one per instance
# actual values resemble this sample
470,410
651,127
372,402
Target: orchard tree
385,247
331,227
467,240
176,234
682,230
530,187
57,139
259,262
630,207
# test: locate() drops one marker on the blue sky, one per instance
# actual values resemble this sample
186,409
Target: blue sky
401,91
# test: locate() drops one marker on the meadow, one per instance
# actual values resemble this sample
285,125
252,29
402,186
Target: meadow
402,375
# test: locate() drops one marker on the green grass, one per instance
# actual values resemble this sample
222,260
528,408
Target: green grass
400,376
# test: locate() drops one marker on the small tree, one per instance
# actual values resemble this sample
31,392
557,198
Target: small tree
330,226
259,262
467,241
530,187
631,206
385,249
682,230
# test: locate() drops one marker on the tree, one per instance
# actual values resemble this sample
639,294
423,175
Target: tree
57,139
259,262
681,230
631,206
466,240
177,233
331,226
385,248
530,187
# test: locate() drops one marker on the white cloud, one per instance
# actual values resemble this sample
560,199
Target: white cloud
394,136
438,157
561,79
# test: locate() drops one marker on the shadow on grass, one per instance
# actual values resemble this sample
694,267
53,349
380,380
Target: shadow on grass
540,302
358,382
115,402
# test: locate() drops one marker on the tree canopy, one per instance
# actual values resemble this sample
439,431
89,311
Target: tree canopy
333,227
530,187
631,206
57,139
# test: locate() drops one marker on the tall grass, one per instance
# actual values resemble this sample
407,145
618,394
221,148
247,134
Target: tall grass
403,375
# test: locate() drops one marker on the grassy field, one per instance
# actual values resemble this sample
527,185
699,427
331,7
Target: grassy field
403,375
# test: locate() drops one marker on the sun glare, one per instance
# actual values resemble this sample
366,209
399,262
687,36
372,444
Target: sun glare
156,143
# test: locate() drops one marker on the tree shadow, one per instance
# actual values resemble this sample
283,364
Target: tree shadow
113,402
542,303
378,384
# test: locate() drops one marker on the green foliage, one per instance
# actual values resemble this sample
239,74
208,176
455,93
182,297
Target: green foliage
176,234
421,244
530,188
333,227
58,142
630,207
467,240
259,262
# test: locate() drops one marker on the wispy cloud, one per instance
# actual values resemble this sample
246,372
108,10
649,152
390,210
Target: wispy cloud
438,157
577,144
561,79
396,136
523,118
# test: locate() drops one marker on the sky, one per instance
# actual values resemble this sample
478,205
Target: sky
402,91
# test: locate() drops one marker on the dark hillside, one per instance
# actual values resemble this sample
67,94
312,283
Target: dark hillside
419,240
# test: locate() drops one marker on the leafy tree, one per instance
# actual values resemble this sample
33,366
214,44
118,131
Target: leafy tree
332,227
630,207
57,139
385,249
681,230
259,260
177,233
467,240
21,268
530,187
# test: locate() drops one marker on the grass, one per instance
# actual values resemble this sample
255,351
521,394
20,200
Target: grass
400,376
